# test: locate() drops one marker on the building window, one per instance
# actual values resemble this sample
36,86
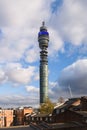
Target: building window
37,118
46,119
85,120
50,119
57,111
32,118
62,110
40,118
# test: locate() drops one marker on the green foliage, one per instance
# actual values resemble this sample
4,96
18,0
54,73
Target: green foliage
47,108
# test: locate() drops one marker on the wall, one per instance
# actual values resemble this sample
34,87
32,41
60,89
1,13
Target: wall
6,118
68,116
20,115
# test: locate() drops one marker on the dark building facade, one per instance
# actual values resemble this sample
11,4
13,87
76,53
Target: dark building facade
71,116
43,39
84,103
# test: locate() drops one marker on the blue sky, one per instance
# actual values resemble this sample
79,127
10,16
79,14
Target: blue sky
20,21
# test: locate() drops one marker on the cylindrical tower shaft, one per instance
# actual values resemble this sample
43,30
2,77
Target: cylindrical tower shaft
43,83
43,38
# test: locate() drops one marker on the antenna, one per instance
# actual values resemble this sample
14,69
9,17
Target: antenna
70,91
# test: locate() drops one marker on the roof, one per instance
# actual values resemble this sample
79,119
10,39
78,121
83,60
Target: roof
83,113
41,115
68,103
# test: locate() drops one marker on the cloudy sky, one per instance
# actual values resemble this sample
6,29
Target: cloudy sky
20,21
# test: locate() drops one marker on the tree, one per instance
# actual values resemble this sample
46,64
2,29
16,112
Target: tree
61,100
47,108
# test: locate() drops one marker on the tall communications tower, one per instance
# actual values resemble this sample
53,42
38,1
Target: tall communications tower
43,39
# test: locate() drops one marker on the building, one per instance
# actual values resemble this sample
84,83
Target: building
84,103
71,116
10,117
6,117
38,118
72,104
59,126
43,39
20,115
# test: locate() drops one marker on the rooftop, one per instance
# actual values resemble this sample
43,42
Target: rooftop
83,113
68,103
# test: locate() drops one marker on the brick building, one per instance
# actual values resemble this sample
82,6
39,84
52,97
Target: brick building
20,114
6,117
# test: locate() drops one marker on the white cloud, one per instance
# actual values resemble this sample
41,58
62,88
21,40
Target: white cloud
19,34
11,101
2,76
21,75
21,13
12,65
56,42
32,55
32,89
36,76
75,76
70,20
54,91
16,74
52,84
20,21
